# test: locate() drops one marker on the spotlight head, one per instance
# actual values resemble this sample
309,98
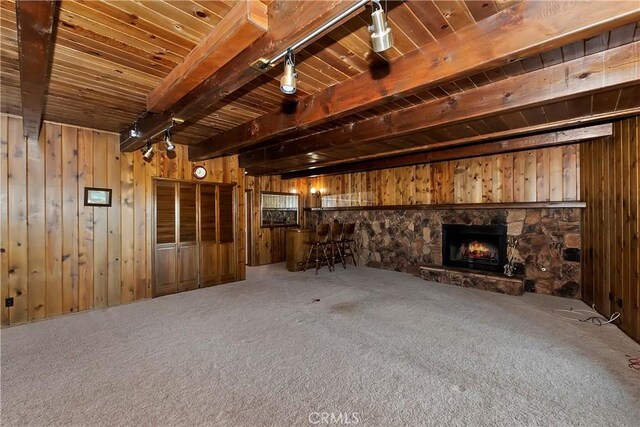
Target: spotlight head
289,79
147,151
381,36
167,141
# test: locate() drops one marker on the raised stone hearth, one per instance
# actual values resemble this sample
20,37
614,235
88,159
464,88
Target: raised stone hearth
469,279
548,253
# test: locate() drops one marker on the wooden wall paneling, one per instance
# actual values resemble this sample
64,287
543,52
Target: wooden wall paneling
530,176
4,218
399,189
542,175
474,176
18,233
507,178
37,228
611,261
238,174
569,180
587,217
422,184
140,227
127,256
635,220
614,214
497,189
85,220
100,224
150,170
459,180
53,241
620,178
72,257
519,164
555,173
70,295
628,320
604,159
114,213
487,179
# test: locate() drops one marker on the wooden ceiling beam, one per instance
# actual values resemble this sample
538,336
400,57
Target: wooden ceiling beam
35,22
573,79
551,139
289,21
526,29
274,168
243,25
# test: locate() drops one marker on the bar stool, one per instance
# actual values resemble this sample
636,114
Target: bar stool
336,244
321,242
346,243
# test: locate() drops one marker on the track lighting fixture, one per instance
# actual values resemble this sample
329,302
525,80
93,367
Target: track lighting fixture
381,36
167,140
147,151
288,80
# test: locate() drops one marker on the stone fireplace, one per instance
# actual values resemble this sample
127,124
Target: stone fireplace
547,255
475,247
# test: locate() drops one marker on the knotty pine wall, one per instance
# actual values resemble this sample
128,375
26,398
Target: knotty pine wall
59,256
611,227
548,174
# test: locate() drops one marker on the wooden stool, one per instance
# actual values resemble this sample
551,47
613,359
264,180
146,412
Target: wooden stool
346,243
321,242
336,244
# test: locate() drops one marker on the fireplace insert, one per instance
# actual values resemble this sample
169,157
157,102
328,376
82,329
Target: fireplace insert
476,247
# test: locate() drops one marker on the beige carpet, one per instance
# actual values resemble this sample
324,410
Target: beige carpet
378,347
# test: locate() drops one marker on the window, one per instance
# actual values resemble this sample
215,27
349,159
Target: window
279,209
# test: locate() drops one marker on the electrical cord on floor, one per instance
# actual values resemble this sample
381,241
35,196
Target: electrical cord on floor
592,316
634,362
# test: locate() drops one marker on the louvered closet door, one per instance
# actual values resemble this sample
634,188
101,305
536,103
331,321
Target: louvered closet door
165,239
188,238
227,239
208,236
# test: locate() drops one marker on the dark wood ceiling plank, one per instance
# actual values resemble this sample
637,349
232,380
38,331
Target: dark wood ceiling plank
584,76
242,26
468,151
526,29
290,21
35,20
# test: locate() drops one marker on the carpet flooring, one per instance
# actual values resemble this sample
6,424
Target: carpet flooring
356,347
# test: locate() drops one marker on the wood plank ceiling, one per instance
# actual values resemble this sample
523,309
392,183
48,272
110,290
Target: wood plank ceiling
109,55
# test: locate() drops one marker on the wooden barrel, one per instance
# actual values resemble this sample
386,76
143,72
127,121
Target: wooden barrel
297,247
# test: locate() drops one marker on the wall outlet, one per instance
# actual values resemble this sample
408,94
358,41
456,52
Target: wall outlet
8,302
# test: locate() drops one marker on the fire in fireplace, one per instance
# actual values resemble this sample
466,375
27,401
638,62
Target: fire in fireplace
476,247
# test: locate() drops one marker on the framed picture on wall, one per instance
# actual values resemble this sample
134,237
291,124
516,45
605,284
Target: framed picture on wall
97,196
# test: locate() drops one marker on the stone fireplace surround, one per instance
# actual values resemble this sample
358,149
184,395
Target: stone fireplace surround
549,248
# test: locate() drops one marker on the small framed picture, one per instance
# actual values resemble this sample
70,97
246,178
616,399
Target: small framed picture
97,196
